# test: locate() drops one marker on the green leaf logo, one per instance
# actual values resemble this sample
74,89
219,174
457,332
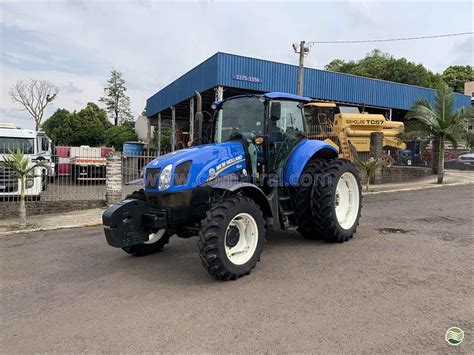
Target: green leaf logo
454,336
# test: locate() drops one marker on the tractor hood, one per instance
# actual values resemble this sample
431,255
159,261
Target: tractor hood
194,166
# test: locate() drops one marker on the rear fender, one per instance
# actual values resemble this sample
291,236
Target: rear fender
303,152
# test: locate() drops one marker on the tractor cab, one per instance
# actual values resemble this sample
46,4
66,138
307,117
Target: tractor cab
269,127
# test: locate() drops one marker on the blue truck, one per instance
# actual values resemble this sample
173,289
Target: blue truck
250,170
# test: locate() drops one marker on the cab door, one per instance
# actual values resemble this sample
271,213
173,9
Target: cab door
286,127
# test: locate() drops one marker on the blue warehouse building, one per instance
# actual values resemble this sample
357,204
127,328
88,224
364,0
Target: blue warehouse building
224,75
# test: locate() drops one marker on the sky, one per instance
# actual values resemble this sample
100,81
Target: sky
75,44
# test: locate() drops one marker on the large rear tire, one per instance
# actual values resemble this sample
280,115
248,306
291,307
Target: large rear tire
303,204
336,201
231,238
157,241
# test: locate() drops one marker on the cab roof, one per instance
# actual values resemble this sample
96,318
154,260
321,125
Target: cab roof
269,95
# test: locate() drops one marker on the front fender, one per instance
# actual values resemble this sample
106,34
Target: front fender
269,209
303,152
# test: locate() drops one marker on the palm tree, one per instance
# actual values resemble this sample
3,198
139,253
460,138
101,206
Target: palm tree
441,122
23,169
369,167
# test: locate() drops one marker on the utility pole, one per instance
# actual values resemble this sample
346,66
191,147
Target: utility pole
303,51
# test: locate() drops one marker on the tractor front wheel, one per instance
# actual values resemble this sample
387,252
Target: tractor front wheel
157,240
231,238
156,244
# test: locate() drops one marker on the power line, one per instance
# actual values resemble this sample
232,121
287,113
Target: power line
391,39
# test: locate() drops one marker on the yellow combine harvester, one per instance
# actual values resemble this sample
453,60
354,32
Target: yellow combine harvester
350,128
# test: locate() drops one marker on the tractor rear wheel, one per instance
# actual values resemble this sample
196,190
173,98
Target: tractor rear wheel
304,192
231,238
336,201
157,240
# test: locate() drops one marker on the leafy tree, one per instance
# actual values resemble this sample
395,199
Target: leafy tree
116,136
23,169
441,122
384,66
86,127
91,124
116,101
34,96
456,75
59,127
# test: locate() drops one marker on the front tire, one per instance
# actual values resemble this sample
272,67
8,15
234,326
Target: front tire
156,244
231,238
157,241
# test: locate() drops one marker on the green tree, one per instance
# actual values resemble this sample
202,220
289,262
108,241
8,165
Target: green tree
384,66
116,100
369,167
90,124
456,75
441,122
116,136
24,169
58,127
86,127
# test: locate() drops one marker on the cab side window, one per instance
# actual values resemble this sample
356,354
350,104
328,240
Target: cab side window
291,117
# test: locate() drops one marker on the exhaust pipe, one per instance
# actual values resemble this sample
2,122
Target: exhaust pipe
198,117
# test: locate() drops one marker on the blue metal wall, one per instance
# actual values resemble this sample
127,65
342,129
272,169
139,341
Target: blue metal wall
272,76
262,75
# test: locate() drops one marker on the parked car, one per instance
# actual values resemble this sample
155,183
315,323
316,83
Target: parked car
466,159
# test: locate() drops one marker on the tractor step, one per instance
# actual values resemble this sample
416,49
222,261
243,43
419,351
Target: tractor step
284,198
287,213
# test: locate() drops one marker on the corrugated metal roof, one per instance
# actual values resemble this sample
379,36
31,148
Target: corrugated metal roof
201,78
262,75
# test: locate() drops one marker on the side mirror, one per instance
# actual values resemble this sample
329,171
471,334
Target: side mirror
276,111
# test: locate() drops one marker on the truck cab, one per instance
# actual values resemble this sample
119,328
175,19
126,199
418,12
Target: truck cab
36,146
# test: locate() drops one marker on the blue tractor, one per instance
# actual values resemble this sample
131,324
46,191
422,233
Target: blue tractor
251,171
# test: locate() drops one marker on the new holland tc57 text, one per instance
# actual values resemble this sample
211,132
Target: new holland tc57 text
258,173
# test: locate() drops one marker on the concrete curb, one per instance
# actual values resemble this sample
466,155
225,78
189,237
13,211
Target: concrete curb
83,225
424,187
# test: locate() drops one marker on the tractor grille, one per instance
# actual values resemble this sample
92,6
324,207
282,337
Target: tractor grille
8,180
151,177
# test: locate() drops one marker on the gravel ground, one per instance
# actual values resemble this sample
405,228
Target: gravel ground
396,287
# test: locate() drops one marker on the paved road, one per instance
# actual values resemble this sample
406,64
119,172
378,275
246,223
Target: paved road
384,291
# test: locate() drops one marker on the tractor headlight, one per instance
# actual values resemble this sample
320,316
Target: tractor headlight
165,177
30,182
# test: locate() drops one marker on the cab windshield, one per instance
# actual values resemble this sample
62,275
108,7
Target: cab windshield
240,118
11,144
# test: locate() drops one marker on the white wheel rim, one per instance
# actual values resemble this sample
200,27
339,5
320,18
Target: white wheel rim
154,237
347,200
243,251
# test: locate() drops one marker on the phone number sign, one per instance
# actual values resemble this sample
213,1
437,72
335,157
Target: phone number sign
251,79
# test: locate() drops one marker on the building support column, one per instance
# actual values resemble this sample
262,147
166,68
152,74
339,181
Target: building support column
148,135
390,115
191,119
158,135
376,152
219,93
173,128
